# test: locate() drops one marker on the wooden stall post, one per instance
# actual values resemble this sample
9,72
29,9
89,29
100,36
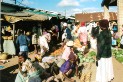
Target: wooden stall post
13,31
120,16
106,12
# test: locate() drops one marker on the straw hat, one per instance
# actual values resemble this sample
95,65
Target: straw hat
70,43
3,56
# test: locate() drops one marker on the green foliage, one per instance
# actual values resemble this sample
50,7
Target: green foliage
92,53
118,53
88,59
120,59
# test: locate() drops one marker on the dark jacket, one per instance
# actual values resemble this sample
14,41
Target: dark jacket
104,44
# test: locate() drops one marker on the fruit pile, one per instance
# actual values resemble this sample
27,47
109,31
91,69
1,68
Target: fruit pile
77,43
57,52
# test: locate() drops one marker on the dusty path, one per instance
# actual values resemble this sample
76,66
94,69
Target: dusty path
118,71
8,74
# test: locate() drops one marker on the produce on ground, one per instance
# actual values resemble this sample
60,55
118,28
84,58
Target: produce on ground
118,54
77,43
57,52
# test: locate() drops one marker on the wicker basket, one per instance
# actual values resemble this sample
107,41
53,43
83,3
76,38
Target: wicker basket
3,56
10,38
5,37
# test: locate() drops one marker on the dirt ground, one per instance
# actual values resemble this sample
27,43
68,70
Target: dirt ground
8,73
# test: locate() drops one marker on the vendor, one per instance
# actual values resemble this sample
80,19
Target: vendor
67,68
8,44
28,71
67,50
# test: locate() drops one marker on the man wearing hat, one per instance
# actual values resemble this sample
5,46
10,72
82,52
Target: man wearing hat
67,33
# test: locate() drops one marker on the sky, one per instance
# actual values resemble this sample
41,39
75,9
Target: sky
65,7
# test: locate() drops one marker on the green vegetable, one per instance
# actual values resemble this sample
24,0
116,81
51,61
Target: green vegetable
92,53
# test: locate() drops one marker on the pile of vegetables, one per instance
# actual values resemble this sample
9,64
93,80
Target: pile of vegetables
118,54
88,59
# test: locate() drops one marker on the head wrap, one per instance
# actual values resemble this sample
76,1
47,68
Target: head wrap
82,23
104,23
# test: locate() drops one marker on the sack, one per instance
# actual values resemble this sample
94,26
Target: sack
59,63
54,69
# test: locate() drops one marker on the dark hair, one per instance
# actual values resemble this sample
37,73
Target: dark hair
77,23
23,54
104,23
21,31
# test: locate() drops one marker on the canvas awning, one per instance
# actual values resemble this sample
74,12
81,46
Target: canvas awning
14,19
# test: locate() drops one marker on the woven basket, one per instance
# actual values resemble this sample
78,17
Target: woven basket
3,56
10,38
5,37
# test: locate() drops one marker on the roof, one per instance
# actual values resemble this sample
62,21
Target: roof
43,12
109,3
87,17
23,16
16,6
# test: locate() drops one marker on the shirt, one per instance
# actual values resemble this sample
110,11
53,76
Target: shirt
82,33
66,53
43,43
68,32
22,40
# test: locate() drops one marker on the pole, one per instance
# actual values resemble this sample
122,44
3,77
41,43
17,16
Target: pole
15,1
106,12
13,31
120,16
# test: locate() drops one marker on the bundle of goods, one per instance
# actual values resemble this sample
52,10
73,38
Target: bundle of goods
57,52
77,43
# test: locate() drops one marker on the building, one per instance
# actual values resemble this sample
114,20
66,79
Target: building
89,17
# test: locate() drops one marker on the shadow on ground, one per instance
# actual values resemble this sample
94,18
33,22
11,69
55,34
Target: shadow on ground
8,75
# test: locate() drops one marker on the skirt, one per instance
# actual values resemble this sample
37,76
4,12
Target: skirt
9,47
104,71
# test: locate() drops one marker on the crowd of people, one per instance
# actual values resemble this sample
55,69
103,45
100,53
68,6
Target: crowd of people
100,36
